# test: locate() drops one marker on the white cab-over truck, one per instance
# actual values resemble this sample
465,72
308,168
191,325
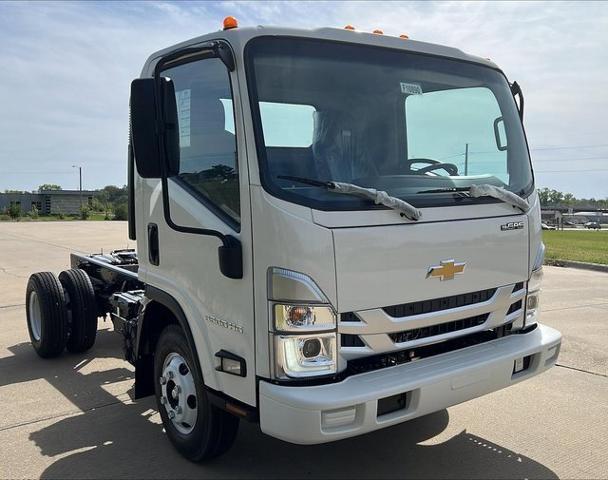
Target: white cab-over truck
336,231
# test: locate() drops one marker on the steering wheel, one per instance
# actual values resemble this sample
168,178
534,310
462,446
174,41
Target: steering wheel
433,165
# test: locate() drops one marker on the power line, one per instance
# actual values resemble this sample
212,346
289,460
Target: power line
36,173
573,171
564,147
575,159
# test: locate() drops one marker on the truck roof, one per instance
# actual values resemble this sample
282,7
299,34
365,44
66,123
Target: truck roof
238,38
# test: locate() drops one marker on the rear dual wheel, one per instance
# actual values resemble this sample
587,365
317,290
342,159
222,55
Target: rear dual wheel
82,309
47,316
61,312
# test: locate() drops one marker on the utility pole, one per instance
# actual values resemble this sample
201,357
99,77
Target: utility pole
466,159
80,182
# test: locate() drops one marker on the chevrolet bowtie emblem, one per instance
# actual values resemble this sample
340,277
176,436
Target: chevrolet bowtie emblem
446,270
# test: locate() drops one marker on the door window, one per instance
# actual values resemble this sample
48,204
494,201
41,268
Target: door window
208,161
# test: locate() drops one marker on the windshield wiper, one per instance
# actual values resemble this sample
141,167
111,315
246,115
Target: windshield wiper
486,190
379,197
446,190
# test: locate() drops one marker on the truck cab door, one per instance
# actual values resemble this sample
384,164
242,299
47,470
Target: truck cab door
209,192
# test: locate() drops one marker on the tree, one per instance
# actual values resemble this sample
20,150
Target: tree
555,197
569,199
543,196
114,194
33,213
84,212
49,186
121,211
14,211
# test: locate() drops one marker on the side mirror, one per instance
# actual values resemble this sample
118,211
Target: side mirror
154,130
499,134
230,256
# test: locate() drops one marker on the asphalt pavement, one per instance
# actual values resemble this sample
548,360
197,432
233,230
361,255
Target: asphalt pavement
73,417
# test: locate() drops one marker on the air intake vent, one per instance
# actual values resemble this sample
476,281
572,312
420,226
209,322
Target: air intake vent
438,304
349,317
376,362
439,329
348,340
514,307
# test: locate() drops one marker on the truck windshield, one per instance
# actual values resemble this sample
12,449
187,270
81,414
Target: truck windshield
417,126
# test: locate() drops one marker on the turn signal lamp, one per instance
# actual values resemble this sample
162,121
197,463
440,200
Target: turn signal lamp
349,27
378,32
230,23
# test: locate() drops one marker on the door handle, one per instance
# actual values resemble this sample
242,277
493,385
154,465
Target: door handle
153,248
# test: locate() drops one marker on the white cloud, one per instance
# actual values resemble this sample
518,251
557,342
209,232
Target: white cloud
67,69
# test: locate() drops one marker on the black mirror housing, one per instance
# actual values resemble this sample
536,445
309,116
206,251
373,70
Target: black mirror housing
231,257
144,136
155,140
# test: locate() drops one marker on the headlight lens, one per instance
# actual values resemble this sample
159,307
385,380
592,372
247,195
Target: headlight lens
301,356
533,297
303,318
303,326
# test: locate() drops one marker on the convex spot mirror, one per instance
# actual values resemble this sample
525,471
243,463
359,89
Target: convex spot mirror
154,127
499,134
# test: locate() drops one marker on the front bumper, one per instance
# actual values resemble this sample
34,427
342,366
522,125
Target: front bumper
325,413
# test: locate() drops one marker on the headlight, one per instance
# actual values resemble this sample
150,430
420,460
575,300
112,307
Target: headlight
301,356
303,326
303,318
533,297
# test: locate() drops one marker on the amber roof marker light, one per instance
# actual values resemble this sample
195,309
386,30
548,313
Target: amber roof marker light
378,32
230,23
404,37
349,27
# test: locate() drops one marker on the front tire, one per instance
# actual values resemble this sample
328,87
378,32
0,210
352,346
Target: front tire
46,313
196,428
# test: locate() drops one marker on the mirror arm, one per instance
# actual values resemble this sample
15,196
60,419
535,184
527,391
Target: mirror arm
516,92
229,253
224,53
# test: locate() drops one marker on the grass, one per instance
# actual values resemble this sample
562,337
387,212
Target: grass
95,216
580,246
98,216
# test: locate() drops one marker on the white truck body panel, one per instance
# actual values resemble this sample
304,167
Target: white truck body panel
394,266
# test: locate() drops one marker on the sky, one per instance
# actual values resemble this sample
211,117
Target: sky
67,68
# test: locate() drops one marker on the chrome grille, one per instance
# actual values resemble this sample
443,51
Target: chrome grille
414,324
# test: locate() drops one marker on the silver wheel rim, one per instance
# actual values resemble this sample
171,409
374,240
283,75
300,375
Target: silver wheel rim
178,393
34,316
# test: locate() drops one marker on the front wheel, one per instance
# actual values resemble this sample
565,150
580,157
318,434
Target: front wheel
197,429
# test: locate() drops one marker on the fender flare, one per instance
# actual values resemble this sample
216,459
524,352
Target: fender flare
143,361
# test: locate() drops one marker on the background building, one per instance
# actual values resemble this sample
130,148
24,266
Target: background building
48,202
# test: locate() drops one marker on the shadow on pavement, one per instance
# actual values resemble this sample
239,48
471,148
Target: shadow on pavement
125,440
